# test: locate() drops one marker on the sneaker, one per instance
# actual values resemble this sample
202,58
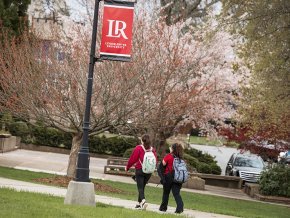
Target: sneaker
138,206
143,204
178,211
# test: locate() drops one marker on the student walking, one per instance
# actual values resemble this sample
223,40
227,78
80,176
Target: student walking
166,172
145,159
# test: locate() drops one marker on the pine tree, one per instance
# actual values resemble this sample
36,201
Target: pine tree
12,15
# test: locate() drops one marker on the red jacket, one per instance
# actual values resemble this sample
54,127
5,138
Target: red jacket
168,159
138,154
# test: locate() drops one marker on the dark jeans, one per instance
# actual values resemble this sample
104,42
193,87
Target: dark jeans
169,185
141,179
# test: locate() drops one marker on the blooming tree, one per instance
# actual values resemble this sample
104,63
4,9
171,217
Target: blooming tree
185,77
38,86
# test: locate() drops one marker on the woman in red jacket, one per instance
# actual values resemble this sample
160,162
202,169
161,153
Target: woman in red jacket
141,177
176,150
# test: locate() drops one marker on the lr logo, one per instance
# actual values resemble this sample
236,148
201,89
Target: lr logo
116,29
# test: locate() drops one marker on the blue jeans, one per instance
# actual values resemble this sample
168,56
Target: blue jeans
169,185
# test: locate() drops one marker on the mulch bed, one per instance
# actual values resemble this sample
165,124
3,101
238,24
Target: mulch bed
274,199
63,181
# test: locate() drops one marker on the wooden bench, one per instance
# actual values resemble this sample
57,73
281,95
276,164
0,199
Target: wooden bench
116,166
117,161
221,181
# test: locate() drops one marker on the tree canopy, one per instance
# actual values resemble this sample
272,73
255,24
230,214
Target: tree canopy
263,30
12,15
181,10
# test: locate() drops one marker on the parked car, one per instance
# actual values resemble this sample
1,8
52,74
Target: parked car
284,157
246,166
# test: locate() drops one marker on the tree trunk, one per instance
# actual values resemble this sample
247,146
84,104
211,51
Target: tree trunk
73,157
158,140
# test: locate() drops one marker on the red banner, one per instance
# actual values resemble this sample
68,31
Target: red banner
117,28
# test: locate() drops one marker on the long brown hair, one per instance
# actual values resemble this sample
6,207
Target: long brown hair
146,141
177,150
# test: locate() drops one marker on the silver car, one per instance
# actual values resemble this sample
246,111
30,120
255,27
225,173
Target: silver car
246,166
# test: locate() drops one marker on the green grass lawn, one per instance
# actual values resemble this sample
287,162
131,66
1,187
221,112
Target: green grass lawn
25,204
206,203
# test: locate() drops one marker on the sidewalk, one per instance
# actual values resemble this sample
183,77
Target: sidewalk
61,192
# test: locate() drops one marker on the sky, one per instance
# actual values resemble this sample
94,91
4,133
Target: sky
77,11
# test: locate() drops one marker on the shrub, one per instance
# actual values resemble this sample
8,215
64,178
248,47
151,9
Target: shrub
97,145
39,134
215,169
128,152
20,129
206,158
193,152
204,168
114,146
118,145
192,162
205,162
276,181
49,136
5,120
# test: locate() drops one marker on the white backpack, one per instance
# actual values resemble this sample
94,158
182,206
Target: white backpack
149,161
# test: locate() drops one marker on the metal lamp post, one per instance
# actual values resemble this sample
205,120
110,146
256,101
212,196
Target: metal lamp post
82,171
80,190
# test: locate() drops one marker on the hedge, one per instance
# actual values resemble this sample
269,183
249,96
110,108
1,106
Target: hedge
128,152
48,136
276,181
116,146
19,128
191,161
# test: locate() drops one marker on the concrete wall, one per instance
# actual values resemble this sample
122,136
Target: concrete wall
9,144
44,148
221,181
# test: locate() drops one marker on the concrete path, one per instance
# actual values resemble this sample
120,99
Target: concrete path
61,192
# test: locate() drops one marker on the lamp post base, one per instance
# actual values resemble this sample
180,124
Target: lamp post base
80,193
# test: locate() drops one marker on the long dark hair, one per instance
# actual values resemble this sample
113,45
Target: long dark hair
146,141
177,150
